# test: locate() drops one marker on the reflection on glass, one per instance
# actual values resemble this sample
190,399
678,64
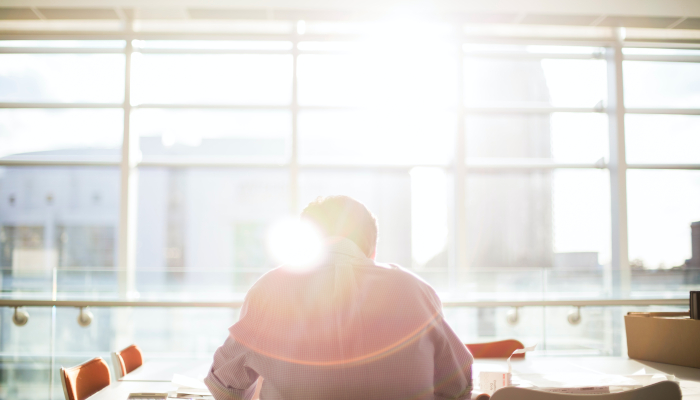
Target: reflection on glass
661,205
376,137
330,46
378,77
84,44
203,231
61,132
581,212
576,82
212,79
62,78
579,137
254,135
428,213
535,49
661,84
477,325
517,136
504,81
212,44
26,353
662,138
61,218
491,209
674,52
565,137
557,221
560,83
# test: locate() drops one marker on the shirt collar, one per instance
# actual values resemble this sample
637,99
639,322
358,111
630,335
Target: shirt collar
339,246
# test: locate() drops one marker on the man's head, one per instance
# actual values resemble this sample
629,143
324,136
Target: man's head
346,217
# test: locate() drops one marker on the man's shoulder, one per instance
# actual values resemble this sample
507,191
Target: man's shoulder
406,274
409,282
394,272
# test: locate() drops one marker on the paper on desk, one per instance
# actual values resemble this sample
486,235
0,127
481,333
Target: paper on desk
182,381
579,390
520,351
569,380
690,388
195,392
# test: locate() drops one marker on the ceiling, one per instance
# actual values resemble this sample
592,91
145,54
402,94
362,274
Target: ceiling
667,14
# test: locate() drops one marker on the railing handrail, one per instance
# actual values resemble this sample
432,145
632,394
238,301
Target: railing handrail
448,303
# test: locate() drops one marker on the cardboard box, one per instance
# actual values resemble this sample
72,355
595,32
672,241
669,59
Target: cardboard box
671,338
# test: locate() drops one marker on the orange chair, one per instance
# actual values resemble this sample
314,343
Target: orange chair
86,379
127,360
500,349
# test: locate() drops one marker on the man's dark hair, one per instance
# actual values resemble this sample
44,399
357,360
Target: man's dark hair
346,217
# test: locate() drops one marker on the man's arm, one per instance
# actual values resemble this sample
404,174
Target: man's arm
229,377
453,365
452,376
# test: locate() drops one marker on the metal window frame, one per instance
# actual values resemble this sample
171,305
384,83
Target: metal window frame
129,166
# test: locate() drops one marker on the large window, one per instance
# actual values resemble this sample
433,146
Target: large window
228,136
495,172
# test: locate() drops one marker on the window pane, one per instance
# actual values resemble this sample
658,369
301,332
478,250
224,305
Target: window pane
62,78
330,46
61,132
661,84
566,137
560,83
532,49
477,325
59,217
661,207
662,138
212,44
366,137
86,44
581,213
212,79
26,350
576,82
253,136
381,78
674,52
558,221
202,231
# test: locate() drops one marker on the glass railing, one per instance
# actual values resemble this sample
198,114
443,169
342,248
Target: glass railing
185,314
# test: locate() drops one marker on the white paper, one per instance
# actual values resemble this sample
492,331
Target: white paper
197,392
182,381
520,351
568,380
578,390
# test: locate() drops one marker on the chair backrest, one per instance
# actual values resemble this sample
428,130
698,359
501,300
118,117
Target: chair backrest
665,390
84,380
127,360
500,349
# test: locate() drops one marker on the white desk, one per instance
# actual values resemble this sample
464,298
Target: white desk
162,371
120,390
689,377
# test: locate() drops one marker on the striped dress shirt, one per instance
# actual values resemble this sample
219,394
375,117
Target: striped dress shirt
349,329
